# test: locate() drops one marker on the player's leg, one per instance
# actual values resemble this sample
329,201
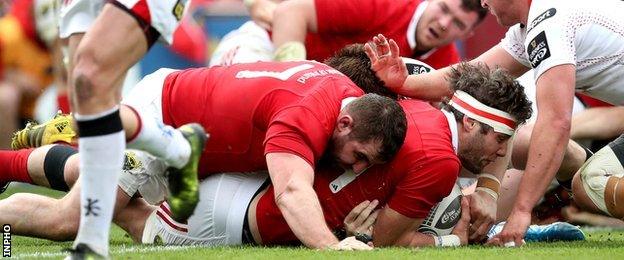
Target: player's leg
58,219
43,166
44,217
599,184
14,167
41,216
218,219
98,62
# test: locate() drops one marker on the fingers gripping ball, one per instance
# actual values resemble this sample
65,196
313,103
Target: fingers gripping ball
443,216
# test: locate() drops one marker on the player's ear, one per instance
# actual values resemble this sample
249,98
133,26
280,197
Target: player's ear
469,123
345,123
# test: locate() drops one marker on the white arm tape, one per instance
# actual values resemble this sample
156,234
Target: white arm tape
447,241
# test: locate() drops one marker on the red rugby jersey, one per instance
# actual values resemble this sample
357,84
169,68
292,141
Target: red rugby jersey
257,108
422,173
343,22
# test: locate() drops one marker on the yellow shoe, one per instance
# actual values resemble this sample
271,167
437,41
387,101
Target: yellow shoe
57,130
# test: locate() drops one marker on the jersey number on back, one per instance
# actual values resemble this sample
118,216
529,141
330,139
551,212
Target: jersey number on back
281,75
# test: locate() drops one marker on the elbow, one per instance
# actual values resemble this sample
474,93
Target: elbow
562,126
557,124
285,196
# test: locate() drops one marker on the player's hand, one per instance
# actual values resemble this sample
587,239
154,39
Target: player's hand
350,244
261,12
361,218
514,230
386,62
461,228
482,213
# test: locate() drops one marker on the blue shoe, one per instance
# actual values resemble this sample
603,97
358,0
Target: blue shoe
558,231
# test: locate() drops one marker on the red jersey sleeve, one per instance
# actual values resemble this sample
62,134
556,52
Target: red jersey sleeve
299,131
421,190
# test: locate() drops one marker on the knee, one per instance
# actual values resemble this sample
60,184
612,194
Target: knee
84,78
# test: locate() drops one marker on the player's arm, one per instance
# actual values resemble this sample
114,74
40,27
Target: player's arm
483,202
555,91
292,178
261,11
394,229
291,21
385,61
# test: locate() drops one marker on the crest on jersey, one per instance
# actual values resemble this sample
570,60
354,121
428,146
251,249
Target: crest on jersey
415,69
178,9
540,18
538,49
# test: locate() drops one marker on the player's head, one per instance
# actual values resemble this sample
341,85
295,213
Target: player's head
353,62
488,106
507,12
369,130
445,21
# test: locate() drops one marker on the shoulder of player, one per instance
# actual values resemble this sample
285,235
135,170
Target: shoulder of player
544,14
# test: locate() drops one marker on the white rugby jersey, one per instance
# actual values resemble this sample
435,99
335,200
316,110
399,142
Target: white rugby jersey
587,34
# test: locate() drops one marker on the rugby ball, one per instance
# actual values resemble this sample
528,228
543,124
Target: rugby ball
443,216
415,67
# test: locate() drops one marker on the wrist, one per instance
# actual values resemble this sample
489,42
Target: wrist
447,241
520,208
489,184
290,51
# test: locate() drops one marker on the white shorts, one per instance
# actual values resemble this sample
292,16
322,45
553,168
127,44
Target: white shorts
599,168
218,218
146,96
248,43
77,16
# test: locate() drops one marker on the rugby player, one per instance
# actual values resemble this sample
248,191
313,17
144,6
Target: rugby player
101,48
559,40
316,29
423,172
279,117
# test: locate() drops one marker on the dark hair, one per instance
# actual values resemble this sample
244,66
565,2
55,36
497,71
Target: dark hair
353,62
378,118
494,88
474,6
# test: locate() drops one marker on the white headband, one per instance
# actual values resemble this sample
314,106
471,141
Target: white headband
501,121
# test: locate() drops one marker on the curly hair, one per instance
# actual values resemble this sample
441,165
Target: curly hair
495,88
353,62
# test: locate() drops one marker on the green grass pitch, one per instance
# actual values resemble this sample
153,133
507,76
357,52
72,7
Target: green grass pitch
601,244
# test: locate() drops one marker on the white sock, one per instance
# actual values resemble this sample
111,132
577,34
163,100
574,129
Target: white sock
162,141
101,162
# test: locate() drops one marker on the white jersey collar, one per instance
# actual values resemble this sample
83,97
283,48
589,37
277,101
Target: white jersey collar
453,127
